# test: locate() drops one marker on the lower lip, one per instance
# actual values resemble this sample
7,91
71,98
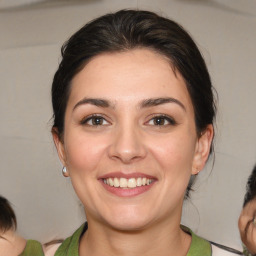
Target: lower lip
127,192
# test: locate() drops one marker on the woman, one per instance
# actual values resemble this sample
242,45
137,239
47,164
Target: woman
133,125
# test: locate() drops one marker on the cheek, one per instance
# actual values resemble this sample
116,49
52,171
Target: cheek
174,153
83,153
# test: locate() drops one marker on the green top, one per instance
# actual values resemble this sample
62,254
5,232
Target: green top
199,246
70,246
33,248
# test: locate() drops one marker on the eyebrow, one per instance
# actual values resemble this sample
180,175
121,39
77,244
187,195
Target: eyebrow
159,101
96,102
143,104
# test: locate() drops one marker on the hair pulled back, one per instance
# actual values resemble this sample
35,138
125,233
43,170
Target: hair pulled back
129,29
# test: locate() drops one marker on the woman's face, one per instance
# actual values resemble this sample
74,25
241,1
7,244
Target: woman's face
130,142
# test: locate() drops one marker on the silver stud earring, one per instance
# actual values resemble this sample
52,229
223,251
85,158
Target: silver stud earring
64,171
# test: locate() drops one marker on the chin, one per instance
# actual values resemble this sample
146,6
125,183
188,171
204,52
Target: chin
129,225
128,221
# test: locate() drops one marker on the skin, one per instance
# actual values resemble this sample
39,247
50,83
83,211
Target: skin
129,141
11,244
246,226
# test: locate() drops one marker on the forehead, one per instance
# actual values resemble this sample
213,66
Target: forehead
130,75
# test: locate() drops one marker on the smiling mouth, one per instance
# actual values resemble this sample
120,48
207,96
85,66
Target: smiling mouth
127,183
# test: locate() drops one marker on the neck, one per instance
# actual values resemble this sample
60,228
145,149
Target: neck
159,239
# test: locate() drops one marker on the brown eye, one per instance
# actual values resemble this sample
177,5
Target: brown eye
95,121
161,121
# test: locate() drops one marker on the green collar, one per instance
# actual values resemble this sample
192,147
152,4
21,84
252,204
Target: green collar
70,247
198,246
32,248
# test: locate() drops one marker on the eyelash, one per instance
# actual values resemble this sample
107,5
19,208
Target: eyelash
164,118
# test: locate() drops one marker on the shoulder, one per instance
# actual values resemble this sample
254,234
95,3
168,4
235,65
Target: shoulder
198,246
70,245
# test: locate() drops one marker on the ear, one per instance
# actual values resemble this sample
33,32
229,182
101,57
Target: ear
202,151
59,144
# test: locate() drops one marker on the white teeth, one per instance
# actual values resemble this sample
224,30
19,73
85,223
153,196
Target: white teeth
139,182
123,183
127,183
116,182
132,183
110,182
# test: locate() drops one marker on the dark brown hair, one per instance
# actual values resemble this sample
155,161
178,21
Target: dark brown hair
250,187
7,216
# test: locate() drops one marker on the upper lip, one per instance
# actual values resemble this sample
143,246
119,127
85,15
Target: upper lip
126,175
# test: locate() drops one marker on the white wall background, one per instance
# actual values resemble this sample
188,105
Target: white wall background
30,172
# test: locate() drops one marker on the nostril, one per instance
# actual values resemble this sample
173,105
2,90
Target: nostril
127,149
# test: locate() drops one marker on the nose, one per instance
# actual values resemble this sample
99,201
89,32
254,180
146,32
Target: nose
127,145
